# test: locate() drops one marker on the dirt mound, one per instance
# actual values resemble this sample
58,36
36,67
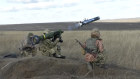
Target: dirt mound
41,66
52,68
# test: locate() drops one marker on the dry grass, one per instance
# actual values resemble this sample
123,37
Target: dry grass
122,47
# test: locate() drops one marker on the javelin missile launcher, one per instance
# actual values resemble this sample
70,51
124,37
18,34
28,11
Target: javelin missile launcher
51,35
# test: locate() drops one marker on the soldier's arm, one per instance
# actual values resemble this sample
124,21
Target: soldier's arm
55,42
47,42
100,46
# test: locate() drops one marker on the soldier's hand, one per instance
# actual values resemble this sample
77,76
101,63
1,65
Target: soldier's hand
61,41
57,40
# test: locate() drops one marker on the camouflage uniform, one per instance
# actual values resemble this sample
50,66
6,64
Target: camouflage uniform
28,48
96,57
49,48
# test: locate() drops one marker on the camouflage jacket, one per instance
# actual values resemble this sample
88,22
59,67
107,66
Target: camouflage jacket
94,44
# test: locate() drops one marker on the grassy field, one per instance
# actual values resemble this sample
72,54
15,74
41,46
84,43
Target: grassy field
122,47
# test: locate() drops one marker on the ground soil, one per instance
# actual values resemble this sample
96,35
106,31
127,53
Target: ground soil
53,68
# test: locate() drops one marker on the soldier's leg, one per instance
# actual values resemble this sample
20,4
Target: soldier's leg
24,53
52,52
44,50
34,52
21,53
40,48
55,53
58,49
90,66
58,52
101,60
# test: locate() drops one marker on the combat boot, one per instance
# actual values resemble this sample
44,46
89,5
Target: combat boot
104,66
59,56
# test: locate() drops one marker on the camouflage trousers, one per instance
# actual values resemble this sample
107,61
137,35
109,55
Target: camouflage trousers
46,51
99,61
25,53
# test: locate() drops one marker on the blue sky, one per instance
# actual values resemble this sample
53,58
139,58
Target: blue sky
40,11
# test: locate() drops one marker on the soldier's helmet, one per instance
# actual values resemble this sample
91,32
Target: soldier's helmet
61,31
30,35
95,33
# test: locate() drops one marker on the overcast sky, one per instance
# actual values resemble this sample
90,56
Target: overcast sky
40,11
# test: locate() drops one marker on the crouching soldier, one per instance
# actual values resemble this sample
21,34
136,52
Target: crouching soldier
96,55
27,46
51,48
